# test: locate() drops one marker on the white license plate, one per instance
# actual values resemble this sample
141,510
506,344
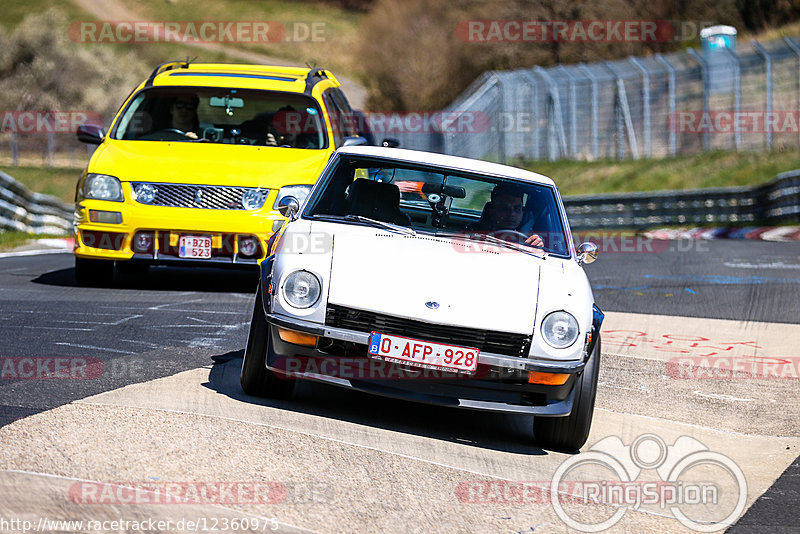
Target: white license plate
423,353
194,246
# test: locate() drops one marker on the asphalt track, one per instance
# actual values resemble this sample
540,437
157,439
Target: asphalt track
162,400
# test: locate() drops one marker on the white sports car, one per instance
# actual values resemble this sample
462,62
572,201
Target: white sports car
435,279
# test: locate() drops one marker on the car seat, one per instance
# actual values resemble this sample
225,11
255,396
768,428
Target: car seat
377,200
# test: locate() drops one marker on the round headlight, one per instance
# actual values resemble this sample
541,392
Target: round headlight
145,193
253,199
560,329
300,192
301,289
102,187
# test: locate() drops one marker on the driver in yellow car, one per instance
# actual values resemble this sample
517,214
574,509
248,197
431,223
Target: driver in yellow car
184,115
504,212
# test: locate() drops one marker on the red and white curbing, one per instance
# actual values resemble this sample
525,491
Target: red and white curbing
763,233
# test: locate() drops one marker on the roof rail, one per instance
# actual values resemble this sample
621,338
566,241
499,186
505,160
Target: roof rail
169,65
314,76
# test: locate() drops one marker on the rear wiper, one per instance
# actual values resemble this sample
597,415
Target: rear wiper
359,218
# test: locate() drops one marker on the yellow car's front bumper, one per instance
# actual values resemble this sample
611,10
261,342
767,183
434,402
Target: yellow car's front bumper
115,241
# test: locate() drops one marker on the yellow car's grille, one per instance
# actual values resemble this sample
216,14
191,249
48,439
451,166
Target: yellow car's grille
211,197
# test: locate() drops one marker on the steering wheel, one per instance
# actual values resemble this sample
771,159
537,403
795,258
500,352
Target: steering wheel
501,233
167,134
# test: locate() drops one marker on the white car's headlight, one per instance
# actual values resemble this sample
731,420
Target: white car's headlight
253,199
560,329
301,289
300,192
102,187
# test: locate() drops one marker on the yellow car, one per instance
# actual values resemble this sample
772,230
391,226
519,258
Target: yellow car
199,164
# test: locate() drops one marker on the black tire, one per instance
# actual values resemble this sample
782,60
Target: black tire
93,273
255,378
571,432
132,267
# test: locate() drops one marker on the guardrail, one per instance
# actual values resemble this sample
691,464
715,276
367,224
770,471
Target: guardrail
33,213
777,201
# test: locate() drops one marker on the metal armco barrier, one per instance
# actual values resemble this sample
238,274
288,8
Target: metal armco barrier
34,213
777,201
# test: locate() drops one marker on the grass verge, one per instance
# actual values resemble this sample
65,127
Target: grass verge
10,239
57,181
709,169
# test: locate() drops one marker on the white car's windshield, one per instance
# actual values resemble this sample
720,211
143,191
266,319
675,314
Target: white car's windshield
363,190
223,115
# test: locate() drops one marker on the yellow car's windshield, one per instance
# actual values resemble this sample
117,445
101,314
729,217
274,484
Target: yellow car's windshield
223,115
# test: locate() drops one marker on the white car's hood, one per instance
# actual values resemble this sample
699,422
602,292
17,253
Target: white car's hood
397,274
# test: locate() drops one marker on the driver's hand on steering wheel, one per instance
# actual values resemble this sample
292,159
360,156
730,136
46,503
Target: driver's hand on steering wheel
190,135
535,241
271,140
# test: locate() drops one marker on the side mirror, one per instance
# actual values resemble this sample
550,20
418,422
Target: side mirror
587,252
354,140
390,142
90,133
288,207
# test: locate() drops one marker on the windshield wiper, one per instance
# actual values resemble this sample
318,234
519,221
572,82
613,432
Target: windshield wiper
389,226
477,236
374,222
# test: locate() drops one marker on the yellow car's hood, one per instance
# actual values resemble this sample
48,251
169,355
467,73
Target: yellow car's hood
208,163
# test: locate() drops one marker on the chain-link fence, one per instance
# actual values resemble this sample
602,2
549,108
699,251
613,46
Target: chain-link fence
652,106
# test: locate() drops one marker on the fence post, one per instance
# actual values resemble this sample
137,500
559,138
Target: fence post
501,135
593,81
623,114
645,103
737,96
763,53
555,126
573,121
796,50
704,76
671,92
14,147
534,94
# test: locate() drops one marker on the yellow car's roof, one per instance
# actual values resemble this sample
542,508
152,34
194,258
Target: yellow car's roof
276,78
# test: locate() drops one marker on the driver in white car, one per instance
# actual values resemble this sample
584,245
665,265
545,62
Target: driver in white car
504,213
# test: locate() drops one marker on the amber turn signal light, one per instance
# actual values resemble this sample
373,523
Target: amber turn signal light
548,379
297,338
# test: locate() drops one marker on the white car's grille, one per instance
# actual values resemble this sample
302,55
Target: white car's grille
485,340
213,197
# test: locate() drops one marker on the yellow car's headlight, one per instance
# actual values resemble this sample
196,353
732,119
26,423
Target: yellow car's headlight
102,187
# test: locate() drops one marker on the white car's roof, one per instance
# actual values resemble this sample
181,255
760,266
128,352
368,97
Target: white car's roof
443,160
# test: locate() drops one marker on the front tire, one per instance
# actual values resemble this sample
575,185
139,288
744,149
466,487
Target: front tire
93,273
255,378
571,432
